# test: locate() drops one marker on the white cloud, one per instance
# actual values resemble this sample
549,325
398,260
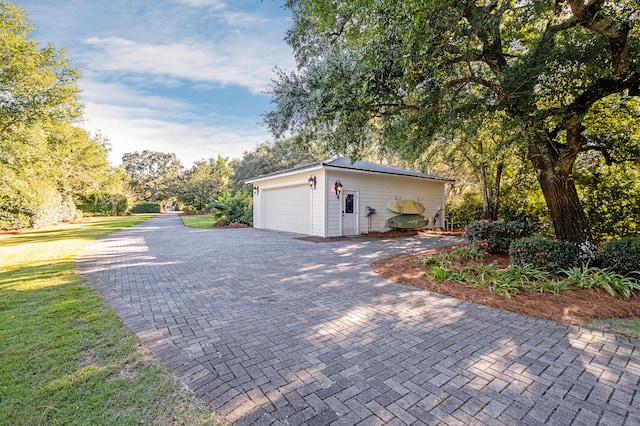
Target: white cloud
214,4
98,92
132,129
135,121
239,61
152,70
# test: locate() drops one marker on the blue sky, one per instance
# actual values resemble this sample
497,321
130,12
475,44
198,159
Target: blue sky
182,76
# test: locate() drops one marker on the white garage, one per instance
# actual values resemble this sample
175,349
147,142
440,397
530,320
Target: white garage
338,198
287,208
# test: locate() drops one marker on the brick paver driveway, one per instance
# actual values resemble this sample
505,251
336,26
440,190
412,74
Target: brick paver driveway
269,329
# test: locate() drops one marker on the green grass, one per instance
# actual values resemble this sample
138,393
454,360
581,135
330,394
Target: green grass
198,221
66,357
625,326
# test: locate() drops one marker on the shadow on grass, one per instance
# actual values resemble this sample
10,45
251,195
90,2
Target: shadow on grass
68,358
90,229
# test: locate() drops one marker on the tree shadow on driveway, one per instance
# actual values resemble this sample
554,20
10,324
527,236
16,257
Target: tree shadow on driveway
269,329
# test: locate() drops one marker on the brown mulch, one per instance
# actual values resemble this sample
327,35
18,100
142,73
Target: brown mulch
233,225
568,307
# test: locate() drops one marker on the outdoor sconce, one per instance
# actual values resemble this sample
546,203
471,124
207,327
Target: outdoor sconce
338,188
256,190
312,181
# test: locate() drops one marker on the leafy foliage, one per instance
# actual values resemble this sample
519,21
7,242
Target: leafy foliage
153,176
613,283
496,236
611,194
146,207
527,277
403,75
204,182
37,84
46,160
466,210
102,204
544,253
622,256
236,208
273,157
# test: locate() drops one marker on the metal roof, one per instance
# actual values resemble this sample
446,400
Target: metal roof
364,166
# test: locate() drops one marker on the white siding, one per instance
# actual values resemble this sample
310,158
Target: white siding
376,191
287,209
317,206
286,203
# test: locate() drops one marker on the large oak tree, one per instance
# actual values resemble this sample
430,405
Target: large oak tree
402,72
153,176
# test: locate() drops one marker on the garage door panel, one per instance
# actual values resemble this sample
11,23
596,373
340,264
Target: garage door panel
287,209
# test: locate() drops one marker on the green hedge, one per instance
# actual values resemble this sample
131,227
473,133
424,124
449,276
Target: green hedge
100,204
622,256
146,207
544,253
495,237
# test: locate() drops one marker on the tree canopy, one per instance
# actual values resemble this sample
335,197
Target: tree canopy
46,159
204,182
399,74
153,176
36,83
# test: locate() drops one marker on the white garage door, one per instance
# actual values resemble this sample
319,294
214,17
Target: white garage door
287,209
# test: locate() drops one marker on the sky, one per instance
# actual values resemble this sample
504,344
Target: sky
181,76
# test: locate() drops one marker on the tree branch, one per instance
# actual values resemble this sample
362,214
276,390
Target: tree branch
495,87
588,14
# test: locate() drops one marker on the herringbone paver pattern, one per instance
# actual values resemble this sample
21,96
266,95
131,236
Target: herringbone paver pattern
273,330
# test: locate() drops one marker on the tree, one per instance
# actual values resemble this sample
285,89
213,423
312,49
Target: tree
608,172
403,72
153,176
36,84
272,157
46,159
204,182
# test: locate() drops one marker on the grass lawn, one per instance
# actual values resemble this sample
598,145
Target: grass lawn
66,357
626,326
198,221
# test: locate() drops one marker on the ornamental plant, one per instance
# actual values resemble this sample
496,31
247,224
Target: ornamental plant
622,256
544,253
496,236
236,208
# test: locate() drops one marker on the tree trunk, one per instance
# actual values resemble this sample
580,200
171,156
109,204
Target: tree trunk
554,170
495,193
486,213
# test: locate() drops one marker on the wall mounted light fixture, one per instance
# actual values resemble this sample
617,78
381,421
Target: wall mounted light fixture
338,188
256,190
312,181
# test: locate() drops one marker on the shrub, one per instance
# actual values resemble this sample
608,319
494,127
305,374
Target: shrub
544,253
103,204
236,208
53,208
468,211
146,207
495,237
13,215
622,256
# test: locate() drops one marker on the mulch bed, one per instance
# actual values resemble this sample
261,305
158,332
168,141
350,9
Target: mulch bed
232,226
568,307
